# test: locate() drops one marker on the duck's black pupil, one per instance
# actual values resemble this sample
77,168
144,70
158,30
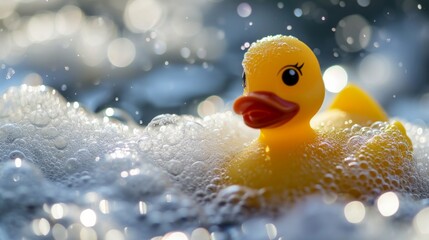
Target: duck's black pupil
244,79
290,77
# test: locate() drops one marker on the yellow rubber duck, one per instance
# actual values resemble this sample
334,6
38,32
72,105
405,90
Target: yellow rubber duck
340,152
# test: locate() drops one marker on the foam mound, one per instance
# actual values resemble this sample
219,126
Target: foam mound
69,174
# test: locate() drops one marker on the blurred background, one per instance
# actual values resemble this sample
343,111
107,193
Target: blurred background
136,59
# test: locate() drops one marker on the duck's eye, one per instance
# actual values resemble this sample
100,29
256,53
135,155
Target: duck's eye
244,79
290,76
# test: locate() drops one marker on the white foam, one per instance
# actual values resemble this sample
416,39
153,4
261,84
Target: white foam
139,183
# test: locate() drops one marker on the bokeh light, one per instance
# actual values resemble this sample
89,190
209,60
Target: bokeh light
375,70
388,204
200,234
68,20
354,212
353,33
114,234
244,10
142,15
297,12
364,3
57,211
175,236
142,208
335,78
88,218
41,227
121,52
33,79
271,231
88,233
104,206
7,8
211,105
59,232
421,221
18,162
41,27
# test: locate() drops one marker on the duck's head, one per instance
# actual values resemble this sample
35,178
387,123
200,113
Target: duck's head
282,83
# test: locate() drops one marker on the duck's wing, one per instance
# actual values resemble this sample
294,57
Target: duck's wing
355,101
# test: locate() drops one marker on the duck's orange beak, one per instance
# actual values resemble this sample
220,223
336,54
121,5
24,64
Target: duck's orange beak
265,109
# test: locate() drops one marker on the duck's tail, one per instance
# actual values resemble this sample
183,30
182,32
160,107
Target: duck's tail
355,101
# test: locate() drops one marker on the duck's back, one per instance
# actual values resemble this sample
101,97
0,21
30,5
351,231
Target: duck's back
351,106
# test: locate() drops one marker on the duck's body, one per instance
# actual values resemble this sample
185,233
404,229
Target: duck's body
340,152
351,160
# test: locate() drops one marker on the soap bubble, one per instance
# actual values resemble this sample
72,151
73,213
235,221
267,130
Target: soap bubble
364,3
353,33
244,10
297,12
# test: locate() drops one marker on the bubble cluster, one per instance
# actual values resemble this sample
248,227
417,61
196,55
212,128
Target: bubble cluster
352,162
191,149
374,159
69,174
